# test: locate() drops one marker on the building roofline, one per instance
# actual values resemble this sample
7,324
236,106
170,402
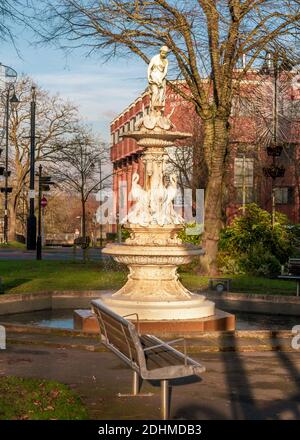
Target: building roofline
178,81
132,104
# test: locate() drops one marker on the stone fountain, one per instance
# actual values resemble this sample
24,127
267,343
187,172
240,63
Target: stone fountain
154,251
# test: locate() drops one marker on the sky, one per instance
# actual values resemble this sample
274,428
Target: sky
101,91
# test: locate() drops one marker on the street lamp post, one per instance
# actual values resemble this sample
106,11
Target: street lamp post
6,172
11,102
100,194
273,67
31,221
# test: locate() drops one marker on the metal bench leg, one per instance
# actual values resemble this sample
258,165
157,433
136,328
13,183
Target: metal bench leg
165,395
136,386
135,383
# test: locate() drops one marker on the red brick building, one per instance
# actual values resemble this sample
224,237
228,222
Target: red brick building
252,122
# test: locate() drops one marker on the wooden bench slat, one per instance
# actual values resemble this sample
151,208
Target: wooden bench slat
166,356
118,332
154,360
110,319
118,328
113,323
122,347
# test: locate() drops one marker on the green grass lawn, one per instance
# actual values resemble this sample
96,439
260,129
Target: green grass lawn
36,399
13,245
243,284
38,276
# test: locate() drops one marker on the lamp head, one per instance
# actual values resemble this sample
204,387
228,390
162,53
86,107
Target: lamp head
14,101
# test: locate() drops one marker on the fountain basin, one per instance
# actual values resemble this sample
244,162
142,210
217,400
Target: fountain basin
153,290
153,138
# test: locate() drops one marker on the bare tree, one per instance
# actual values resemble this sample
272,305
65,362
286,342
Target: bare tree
76,168
188,160
208,40
55,123
58,220
12,12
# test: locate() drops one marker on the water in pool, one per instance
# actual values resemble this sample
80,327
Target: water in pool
63,318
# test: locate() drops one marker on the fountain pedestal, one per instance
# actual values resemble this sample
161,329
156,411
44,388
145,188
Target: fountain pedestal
154,251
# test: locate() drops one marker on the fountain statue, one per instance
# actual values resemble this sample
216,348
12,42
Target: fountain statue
154,251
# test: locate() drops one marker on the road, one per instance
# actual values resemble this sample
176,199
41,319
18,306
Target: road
59,253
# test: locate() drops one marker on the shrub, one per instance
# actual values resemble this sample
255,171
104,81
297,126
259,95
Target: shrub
259,262
111,236
124,233
192,233
252,245
228,264
295,231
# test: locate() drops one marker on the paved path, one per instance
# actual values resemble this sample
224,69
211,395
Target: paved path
235,386
241,341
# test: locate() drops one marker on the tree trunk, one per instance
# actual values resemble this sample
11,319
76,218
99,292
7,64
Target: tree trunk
84,247
12,216
12,224
215,147
83,218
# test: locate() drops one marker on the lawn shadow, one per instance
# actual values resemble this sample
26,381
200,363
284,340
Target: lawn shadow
16,282
290,406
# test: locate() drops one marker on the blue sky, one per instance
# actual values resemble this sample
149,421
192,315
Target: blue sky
101,91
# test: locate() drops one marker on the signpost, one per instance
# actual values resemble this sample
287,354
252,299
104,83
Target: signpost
44,185
44,202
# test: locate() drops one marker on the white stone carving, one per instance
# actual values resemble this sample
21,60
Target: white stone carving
170,215
139,213
157,72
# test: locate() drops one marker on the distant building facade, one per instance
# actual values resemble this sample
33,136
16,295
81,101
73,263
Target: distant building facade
252,122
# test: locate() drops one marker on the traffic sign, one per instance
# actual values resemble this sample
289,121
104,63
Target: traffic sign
44,202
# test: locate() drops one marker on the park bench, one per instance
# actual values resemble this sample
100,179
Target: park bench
83,242
149,357
293,273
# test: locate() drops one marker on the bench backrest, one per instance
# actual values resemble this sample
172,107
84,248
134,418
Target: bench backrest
119,335
294,266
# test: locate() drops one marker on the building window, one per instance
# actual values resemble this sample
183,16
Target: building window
284,195
243,179
243,172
